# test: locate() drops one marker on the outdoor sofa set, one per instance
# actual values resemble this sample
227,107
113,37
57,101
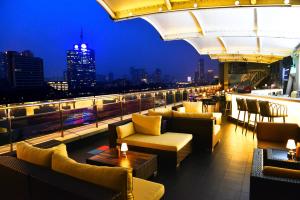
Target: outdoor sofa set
274,178
172,135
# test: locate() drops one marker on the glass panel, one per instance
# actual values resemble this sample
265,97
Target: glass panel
147,101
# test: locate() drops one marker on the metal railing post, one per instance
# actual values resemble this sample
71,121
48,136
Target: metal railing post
153,96
95,107
165,97
122,107
9,129
61,121
139,98
174,97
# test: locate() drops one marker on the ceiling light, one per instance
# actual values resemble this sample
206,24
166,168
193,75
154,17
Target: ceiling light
286,2
195,5
237,3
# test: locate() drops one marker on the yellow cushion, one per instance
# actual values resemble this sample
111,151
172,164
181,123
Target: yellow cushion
149,125
168,141
118,179
125,130
146,190
165,112
281,172
38,156
192,115
192,107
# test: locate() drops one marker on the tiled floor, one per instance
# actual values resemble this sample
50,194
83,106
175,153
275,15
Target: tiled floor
224,174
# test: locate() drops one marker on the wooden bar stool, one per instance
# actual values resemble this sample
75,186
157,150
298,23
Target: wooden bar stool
253,108
272,110
242,107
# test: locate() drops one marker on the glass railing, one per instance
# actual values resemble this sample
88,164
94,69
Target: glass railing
34,119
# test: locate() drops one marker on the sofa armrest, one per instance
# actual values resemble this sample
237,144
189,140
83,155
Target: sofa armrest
277,132
177,106
113,136
181,109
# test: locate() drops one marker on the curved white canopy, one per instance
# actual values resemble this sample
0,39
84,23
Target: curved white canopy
229,33
250,34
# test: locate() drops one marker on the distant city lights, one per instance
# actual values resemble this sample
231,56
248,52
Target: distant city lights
83,46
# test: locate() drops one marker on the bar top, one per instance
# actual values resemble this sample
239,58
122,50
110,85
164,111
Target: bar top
270,97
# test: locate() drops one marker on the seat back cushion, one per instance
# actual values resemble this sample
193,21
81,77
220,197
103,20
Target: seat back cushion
277,132
38,156
164,112
281,172
192,107
149,125
118,179
192,115
125,130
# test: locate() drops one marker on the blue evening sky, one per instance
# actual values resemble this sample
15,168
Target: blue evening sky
49,28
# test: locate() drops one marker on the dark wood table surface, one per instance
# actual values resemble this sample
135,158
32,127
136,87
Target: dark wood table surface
144,165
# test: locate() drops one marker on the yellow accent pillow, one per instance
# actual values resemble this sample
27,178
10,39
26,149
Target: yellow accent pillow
165,112
118,179
192,115
281,172
192,107
125,130
149,125
39,156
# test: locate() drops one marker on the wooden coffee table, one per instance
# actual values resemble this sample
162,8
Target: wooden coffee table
144,165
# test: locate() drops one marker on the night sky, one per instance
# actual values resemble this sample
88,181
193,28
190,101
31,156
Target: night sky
49,28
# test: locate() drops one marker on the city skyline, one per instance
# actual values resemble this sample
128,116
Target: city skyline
49,39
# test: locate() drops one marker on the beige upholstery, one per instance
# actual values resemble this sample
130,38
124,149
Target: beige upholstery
181,112
168,141
164,112
146,190
217,129
149,125
192,115
193,107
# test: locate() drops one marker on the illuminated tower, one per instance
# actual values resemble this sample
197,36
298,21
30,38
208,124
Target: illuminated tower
81,67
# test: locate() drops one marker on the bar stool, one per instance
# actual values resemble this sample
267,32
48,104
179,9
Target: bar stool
272,110
242,107
228,99
253,108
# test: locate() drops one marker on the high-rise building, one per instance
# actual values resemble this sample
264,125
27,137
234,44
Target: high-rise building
210,75
157,76
3,67
24,70
81,67
199,77
138,75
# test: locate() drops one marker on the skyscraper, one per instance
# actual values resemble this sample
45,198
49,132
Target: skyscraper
138,75
81,67
24,70
3,67
199,73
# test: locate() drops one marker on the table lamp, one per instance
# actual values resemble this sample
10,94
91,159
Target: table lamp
124,148
291,145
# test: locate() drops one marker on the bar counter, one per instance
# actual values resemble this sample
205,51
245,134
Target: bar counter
293,105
